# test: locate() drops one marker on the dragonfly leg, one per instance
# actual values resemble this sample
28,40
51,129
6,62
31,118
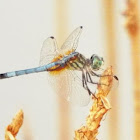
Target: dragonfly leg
89,79
95,74
84,81
96,83
99,75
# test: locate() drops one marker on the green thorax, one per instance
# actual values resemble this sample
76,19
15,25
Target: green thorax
77,63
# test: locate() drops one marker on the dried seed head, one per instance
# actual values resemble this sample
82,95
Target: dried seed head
13,128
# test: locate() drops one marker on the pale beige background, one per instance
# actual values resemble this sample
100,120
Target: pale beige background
23,27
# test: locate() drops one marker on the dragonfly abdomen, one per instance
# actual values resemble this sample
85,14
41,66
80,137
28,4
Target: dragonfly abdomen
20,72
28,71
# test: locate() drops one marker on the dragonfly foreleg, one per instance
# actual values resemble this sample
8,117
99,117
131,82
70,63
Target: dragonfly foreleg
99,75
95,74
89,80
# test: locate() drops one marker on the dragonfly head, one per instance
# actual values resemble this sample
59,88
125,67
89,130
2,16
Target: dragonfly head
96,62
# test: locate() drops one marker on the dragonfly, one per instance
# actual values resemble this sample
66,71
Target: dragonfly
64,62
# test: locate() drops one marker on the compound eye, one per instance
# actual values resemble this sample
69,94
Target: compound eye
92,57
96,62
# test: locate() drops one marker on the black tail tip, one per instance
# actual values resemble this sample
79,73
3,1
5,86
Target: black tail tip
2,76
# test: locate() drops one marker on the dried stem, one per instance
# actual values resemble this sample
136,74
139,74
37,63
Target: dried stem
109,21
100,106
61,20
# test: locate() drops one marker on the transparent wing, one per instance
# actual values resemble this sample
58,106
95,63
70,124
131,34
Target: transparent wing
78,95
69,85
49,51
71,42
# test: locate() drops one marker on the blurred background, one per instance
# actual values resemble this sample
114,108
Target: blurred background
111,30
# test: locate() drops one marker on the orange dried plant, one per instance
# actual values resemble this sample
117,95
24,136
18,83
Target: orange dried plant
132,18
100,106
13,128
132,25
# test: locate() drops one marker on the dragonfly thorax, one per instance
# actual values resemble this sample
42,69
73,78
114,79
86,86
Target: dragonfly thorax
78,63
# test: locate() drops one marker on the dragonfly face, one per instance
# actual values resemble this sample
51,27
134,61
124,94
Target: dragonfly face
96,62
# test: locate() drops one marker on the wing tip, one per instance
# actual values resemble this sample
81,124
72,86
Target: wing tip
51,37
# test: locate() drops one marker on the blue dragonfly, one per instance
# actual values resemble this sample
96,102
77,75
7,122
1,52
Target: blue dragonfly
62,63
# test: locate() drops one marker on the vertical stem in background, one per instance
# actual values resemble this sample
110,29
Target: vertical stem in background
133,28
61,24
62,17
109,25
